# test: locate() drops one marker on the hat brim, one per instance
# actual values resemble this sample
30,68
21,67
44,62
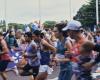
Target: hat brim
65,28
69,28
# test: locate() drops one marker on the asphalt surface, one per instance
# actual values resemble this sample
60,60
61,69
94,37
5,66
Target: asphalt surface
12,76
53,76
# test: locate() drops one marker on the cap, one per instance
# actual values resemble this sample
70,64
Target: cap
73,25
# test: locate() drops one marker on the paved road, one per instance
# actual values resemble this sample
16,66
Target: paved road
13,76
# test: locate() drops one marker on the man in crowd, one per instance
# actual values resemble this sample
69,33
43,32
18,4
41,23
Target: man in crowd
76,32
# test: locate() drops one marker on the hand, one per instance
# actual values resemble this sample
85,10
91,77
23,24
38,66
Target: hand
88,65
67,52
55,59
14,48
11,59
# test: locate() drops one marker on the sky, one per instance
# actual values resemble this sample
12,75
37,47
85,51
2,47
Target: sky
26,11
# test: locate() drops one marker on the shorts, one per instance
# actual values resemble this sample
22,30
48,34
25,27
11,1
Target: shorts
75,67
45,68
35,69
3,65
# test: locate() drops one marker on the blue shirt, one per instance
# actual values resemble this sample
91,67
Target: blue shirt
83,72
45,57
31,52
11,42
61,50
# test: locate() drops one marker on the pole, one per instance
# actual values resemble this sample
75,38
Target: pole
97,12
5,14
70,10
39,13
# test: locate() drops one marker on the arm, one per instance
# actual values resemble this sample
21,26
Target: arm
4,47
30,56
97,59
44,42
61,60
68,45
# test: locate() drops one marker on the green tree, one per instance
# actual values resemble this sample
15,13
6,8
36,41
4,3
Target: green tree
49,24
87,14
15,26
3,25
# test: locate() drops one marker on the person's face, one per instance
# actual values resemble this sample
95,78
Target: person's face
68,33
18,35
27,39
12,33
56,32
36,38
73,34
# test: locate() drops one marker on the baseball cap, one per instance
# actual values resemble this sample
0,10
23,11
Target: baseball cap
73,25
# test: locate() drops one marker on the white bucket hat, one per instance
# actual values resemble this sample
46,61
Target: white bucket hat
73,25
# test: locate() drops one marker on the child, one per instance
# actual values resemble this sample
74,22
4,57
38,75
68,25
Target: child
84,57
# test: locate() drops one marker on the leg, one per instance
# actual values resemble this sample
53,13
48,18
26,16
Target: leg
26,70
42,76
16,70
31,77
3,75
65,75
3,66
35,71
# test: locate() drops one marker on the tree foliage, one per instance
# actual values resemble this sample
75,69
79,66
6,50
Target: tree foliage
87,14
49,24
15,26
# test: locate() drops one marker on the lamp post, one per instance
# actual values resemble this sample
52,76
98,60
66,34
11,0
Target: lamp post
5,3
70,10
39,12
97,12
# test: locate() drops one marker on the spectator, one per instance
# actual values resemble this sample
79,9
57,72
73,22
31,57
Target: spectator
4,57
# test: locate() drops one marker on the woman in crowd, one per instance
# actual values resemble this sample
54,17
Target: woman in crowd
4,57
45,50
62,56
13,46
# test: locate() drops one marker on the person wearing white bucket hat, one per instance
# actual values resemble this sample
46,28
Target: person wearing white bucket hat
74,29
73,25
75,32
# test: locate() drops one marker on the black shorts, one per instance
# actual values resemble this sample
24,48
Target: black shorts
35,70
3,65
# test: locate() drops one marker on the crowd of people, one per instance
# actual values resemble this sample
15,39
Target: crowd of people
35,53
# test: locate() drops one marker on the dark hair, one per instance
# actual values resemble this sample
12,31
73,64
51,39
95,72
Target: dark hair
42,35
37,32
46,29
60,26
10,31
97,48
29,34
88,46
65,33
